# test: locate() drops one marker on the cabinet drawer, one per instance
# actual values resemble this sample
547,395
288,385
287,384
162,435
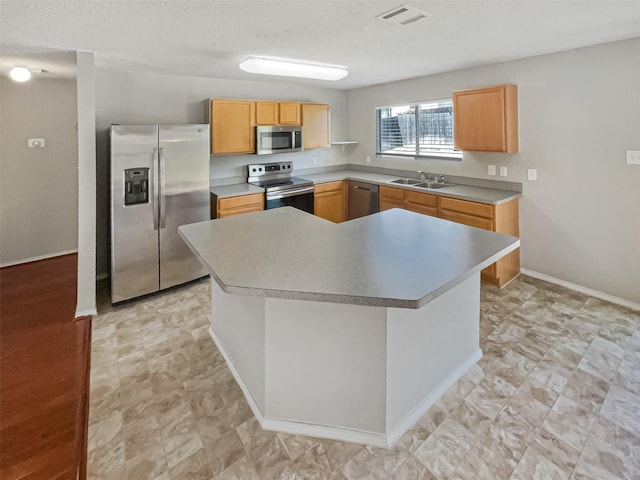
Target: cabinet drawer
423,199
329,186
470,220
469,208
240,201
238,210
392,193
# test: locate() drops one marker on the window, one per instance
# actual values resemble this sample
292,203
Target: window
416,130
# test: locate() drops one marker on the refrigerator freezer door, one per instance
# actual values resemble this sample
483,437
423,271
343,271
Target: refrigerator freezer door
184,198
134,234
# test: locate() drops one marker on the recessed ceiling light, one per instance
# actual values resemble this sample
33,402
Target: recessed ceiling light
20,74
293,68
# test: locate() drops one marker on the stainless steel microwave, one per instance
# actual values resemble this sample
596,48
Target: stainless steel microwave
278,139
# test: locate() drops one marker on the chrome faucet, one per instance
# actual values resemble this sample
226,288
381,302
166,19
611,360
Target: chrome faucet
423,176
439,178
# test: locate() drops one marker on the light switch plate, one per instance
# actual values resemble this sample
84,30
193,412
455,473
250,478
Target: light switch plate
36,143
503,171
532,174
492,170
633,157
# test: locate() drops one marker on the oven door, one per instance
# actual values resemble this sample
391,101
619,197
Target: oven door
302,201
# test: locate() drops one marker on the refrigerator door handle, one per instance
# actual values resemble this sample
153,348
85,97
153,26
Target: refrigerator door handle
162,175
154,187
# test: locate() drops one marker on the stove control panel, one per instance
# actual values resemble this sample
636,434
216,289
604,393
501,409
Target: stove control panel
260,169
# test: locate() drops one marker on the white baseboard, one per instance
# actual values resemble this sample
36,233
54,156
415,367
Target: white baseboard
579,288
86,313
412,417
40,257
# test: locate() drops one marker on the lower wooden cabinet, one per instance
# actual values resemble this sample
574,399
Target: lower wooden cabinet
502,218
226,207
390,197
330,201
419,202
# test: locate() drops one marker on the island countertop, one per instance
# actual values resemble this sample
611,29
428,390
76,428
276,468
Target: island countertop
394,258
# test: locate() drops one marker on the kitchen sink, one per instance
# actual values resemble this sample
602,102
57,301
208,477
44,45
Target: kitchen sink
426,184
407,181
433,185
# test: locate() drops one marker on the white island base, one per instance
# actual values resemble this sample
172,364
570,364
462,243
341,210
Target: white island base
356,373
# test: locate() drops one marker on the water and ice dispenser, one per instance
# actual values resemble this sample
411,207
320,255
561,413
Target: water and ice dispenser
136,186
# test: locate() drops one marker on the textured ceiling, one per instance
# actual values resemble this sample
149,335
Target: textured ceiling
210,38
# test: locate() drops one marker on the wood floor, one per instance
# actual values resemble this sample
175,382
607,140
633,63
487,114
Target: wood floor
43,372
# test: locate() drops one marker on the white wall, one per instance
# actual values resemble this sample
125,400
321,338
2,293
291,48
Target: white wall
143,98
38,186
579,113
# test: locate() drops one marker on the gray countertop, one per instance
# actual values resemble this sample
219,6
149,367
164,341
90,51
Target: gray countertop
394,258
489,196
235,190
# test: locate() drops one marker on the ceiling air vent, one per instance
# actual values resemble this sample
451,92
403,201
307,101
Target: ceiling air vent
403,15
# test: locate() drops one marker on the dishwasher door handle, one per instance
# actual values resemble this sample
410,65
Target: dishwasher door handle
361,188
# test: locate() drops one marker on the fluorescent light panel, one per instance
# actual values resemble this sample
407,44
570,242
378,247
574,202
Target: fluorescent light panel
293,68
20,74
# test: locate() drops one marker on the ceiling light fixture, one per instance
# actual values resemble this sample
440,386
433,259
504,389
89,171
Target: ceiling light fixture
20,74
293,68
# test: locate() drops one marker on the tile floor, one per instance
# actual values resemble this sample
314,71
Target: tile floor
556,396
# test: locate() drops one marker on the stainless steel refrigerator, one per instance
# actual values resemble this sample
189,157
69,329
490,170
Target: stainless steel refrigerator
159,181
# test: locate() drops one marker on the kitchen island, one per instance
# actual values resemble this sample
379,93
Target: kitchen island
348,331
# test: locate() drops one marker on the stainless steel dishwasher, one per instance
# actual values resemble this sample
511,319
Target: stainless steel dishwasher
363,199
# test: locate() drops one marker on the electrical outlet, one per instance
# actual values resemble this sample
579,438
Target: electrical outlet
368,159
532,174
503,171
492,170
633,157
36,143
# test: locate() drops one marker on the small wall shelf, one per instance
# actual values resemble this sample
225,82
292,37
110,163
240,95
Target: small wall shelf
345,143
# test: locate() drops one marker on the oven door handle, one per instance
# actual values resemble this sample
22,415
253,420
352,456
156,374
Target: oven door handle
289,193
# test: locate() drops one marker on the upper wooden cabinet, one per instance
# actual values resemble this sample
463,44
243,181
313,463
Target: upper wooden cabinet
486,119
330,201
277,113
316,126
289,113
266,113
232,126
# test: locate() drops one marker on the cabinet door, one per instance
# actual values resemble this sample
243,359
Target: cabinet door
289,113
266,113
391,198
315,123
486,119
232,126
330,201
419,202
